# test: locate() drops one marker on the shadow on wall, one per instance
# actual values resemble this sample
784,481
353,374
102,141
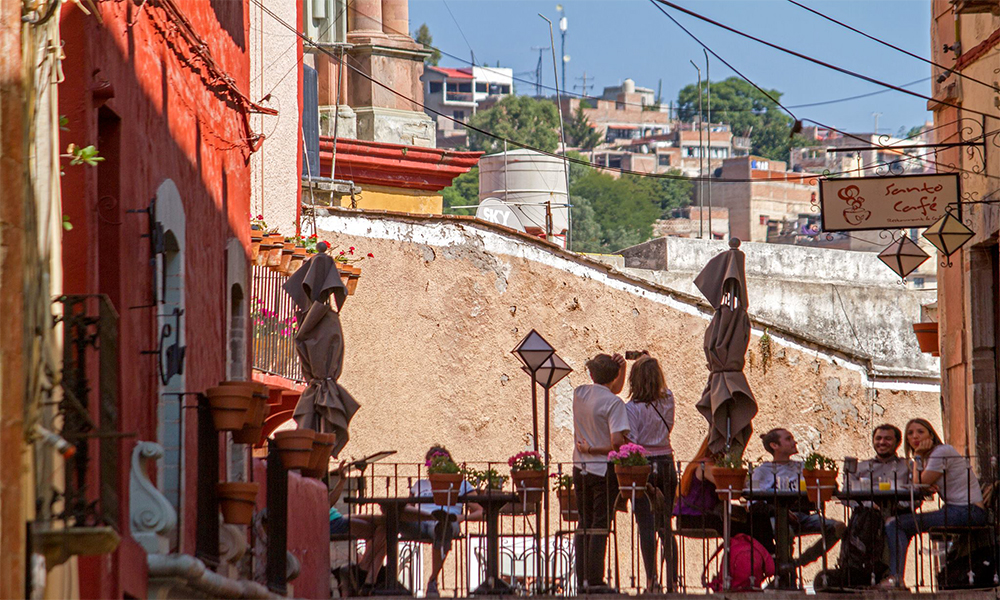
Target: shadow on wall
230,17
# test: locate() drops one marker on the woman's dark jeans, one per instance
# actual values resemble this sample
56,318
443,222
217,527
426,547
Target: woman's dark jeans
664,478
899,531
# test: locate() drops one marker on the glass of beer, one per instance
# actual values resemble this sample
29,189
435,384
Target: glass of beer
884,484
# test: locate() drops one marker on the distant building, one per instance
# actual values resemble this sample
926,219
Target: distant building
645,95
626,115
694,222
680,148
901,158
458,93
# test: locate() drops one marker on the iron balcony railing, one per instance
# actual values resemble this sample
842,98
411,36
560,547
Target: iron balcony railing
273,323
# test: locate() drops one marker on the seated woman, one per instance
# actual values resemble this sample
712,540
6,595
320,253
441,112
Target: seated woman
940,466
358,526
698,506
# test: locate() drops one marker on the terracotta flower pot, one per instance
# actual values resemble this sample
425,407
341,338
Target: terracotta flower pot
229,405
729,479
274,254
567,504
345,272
319,460
530,485
445,487
255,241
295,447
236,500
352,279
821,482
927,337
633,478
287,250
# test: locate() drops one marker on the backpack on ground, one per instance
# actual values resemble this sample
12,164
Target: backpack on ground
862,549
747,558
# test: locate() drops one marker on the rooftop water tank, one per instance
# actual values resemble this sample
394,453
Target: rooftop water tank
527,181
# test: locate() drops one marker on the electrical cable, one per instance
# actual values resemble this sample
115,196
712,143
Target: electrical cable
471,51
811,59
363,74
858,97
993,87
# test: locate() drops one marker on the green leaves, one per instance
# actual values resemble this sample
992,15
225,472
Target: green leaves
579,131
423,36
82,156
518,118
464,191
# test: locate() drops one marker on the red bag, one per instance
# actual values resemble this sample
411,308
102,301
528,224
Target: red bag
746,557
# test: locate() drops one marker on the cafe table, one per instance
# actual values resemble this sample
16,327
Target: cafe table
392,507
783,501
492,502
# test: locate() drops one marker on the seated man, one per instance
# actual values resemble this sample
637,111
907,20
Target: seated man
887,464
783,471
431,523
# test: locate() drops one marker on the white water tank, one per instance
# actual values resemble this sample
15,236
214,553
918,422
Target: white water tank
527,181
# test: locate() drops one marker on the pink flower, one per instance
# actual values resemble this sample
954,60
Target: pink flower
351,249
341,252
370,255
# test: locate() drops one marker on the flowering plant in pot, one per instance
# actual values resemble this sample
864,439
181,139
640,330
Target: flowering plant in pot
529,474
820,474
445,477
631,467
350,273
730,473
485,480
566,495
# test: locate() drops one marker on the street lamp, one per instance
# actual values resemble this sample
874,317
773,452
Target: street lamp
948,234
562,32
903,256
533,351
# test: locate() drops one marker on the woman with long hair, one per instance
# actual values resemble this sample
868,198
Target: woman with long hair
941,467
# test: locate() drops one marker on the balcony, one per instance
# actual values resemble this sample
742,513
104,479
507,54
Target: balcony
273,323
968,7
450,96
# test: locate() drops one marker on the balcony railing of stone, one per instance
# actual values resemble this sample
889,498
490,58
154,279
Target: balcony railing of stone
273,325
537,552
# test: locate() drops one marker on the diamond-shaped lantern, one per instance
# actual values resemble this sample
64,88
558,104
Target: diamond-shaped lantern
948,234
533,351
903,256
552,371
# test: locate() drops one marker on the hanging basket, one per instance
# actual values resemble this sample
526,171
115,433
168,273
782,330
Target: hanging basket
229,404
530,485
567,505
237,501
633,479
927,337
445,487
729,479
295,447
820,482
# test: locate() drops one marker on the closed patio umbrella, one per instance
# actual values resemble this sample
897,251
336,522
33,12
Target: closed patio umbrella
727,402
325,406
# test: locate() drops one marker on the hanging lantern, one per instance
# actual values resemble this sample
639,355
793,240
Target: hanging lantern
948,234
903,256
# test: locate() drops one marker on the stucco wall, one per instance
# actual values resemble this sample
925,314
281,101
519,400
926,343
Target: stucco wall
430,329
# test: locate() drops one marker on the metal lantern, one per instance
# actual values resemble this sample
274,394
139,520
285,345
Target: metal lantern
903,256
551,372
948,234
533,351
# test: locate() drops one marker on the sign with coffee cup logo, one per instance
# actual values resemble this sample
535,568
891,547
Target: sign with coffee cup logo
892,202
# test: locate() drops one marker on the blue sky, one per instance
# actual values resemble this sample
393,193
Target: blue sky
615,39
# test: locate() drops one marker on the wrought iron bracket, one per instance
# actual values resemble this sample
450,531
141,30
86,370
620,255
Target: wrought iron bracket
157,247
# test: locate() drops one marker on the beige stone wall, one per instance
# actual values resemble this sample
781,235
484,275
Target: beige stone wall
430,329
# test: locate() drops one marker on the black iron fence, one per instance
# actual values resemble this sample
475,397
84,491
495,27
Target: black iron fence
953,546
273,323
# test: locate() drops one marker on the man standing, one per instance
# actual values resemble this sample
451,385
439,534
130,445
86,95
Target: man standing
784,473
600,423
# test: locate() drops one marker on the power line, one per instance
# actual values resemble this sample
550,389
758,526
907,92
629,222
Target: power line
471,51
897,48
813,60
858,97
363,74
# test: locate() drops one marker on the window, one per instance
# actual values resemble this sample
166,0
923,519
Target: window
460,115
663,160
434,87
465,87
505,88
481,87
452,86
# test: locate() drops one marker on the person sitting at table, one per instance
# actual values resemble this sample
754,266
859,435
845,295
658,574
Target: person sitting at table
432,523
783,471
940,466
887,465
651,418
698,506
359,526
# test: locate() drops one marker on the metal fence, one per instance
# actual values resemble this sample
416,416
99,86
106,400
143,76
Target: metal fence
273,323
961,554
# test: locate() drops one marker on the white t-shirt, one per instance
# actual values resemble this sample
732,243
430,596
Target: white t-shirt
647,429
422,488
958,483
766,475
597,413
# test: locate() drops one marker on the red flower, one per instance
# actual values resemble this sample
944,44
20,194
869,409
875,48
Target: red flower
370,255
313,236
341,252
351,249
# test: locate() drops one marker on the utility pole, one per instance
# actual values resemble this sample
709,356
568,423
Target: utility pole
563,24
708,134
584,86
562,135
701,163
538,69
876,115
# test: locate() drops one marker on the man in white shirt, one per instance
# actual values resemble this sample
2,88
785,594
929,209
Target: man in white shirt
600,423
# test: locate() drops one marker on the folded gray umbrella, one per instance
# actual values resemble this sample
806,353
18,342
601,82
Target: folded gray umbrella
727,402
325,406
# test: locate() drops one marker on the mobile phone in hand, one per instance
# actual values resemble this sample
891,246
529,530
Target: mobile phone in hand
634,354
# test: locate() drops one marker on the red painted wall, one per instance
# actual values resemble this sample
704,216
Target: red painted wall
170,125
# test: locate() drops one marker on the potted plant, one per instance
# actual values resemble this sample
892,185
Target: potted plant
295,447
567,497
820,473
631,467
729,474
350,273
487,480
927,337
319,460
229,404
530,476
445,478
237,501
277,244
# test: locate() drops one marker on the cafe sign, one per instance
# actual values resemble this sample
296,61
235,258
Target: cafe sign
892,202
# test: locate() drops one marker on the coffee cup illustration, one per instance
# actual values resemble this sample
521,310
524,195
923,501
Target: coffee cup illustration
855,214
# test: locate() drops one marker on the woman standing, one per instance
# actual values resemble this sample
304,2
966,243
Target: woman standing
939,465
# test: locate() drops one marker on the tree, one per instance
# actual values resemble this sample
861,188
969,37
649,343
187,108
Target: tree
424,37
623,211
518,118
579,131
746,109
463,191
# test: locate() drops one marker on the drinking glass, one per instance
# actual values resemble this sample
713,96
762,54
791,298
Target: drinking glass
884,483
